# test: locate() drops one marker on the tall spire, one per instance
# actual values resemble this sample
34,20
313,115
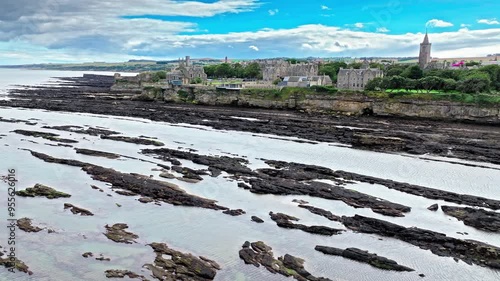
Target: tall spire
426,38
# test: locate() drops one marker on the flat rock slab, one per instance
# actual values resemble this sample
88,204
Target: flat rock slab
132,140
477,218
25,225
258,253
97,153
77,210
469,251
44,135
364,257
180,266
118,273
139,184
285,221
118,234
40,190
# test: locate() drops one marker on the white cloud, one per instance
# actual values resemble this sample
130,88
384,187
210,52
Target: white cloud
323,7
273,12
359,25
489,21
382,30
307,46
438,23
255,48
464,25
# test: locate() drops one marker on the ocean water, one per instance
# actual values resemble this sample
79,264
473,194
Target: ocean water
57,256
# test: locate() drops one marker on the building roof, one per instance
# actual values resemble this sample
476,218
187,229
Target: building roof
426,38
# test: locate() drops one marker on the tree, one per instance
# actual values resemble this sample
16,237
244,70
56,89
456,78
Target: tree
332,69
474,84
224,70
374,84
413,72
355,65
210,70
252,71
493,72
410,84
394,70
431,83
449,85
396,82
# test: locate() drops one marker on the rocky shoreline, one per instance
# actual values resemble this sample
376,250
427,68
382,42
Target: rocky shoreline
92,94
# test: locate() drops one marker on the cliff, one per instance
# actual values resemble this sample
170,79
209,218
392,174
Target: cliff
339,103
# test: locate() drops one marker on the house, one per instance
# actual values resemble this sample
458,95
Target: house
356,79
306,81
186,73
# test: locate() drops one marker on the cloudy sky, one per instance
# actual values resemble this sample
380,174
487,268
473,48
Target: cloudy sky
36,31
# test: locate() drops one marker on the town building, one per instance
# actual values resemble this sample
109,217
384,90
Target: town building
424,57
186,73
304,81
356,79
278,69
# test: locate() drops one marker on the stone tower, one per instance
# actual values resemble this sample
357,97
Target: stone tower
425,52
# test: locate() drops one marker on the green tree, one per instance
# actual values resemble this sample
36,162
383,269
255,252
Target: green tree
253,71
413,72
475,83
394,70
449,85
355,65
374,84
224,70
493,72
210,70
397,82
431,83
332,69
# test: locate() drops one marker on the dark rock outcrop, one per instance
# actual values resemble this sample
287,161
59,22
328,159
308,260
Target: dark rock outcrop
285,221
132,140
40,190
25,225
81,130
318,211
118,233
44,135
364,257
469,251
477,218
234,213
257,219
97,153
77,210
180,266
118,273
18,264
433,207
258,253
139,184
426,192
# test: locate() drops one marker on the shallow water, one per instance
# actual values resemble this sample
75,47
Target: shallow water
209,233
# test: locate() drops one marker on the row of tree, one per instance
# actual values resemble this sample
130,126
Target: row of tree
480,80
237,70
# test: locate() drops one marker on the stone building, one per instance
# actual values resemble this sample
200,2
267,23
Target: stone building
424,57
304,81
273,69
356,79
186,73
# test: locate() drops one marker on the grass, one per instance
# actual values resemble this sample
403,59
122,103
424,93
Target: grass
483,99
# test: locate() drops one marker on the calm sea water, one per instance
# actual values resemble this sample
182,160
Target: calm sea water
57,256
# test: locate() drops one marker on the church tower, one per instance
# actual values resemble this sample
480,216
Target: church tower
425,52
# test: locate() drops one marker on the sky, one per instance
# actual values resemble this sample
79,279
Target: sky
43,31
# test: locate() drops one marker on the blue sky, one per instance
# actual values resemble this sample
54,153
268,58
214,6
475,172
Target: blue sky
102,30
